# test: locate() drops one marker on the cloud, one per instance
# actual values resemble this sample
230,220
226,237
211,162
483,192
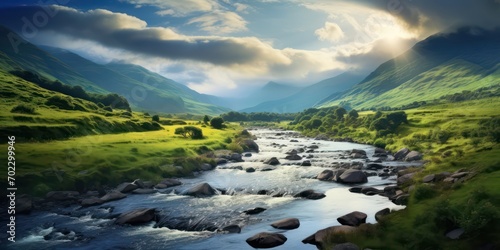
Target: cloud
176,7
220,22
330,32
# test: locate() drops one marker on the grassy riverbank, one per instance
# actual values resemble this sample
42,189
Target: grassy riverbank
452,136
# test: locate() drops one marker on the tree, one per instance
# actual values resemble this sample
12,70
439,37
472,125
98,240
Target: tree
339,113
156,118
353,114
191,131
217,122
206,119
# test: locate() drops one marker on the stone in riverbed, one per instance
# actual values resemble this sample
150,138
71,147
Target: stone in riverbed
272,161
231,229
126,187
354,219
144,191
293,157
113,195
91,202
306,163
382,213
352,176
400,155
200,190
137,216
326,175
288,223
310,194
266,240
413,156
250,170
256,210
170,182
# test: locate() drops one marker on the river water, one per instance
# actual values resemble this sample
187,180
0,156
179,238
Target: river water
94,229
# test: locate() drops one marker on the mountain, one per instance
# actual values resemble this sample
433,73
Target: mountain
16,53
442,64
309,96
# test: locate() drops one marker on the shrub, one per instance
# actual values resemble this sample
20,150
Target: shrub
62,102
156,118
423,192
379,143
191,131
108,108
234,147
217,122
23,108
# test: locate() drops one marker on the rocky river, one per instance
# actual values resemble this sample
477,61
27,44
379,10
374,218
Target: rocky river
248,196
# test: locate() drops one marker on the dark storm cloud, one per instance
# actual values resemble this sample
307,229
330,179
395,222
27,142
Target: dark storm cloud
126,32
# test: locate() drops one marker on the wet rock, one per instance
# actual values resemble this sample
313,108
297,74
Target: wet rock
200,190
354,219
232,229
256,210
413,156
358,151
263,192
306,163
248,155
320,237
310,194
250,170
352,176
313,147
321,137
293,140
113,195
459,175
355,189
357,155
345,246
190,224
266,240
401,154
220,161
267,169
294,157
288,223
382,213
292,152
326,175
401,199
144,191
249,145
126,187
236,157
365,190
139,183
380,151
374,166
272,161
62,195
137,216
171,182
91,202
455,234
63,235
206,167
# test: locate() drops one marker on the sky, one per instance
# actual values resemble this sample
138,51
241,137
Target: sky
229,47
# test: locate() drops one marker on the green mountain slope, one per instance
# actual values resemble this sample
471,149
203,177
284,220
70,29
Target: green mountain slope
29,57
309,96
440,65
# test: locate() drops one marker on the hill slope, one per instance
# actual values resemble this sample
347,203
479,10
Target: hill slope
309,96
442,64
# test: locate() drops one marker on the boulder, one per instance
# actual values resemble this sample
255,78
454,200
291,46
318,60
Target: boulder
358,151
220,161
256,210
352,176
357,155
272,161
345,246
62,195
310,194
401,199
249,145
293,140
380,151
266,240
455,234
306,163
352,219
250,170
248,155
365,190
401,154
355,189
113,195
459,175
126,187
382,213
206,167
170,182
94,201
413,156
200,190
326,175
139,183
232,229
294,157
374,166
288,223
292,152
236,157
429,178
313,146
405,178
137,216
321,236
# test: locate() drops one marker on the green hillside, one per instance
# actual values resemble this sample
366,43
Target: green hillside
437,66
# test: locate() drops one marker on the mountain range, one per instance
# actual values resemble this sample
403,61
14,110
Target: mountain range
442,64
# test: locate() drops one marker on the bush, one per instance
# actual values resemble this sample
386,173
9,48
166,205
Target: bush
108,108
23,108
379,143
423,192
62,102
156,118
191,131
217,122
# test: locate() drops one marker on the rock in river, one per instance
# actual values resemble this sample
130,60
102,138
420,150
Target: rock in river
272,161
310,194
266,240
200,190
352,176
352,219
137,216
288,223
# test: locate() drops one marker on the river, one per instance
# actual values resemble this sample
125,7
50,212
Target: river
92,228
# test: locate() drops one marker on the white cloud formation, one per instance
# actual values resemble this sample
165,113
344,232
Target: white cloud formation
220,22
178,7
330,32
